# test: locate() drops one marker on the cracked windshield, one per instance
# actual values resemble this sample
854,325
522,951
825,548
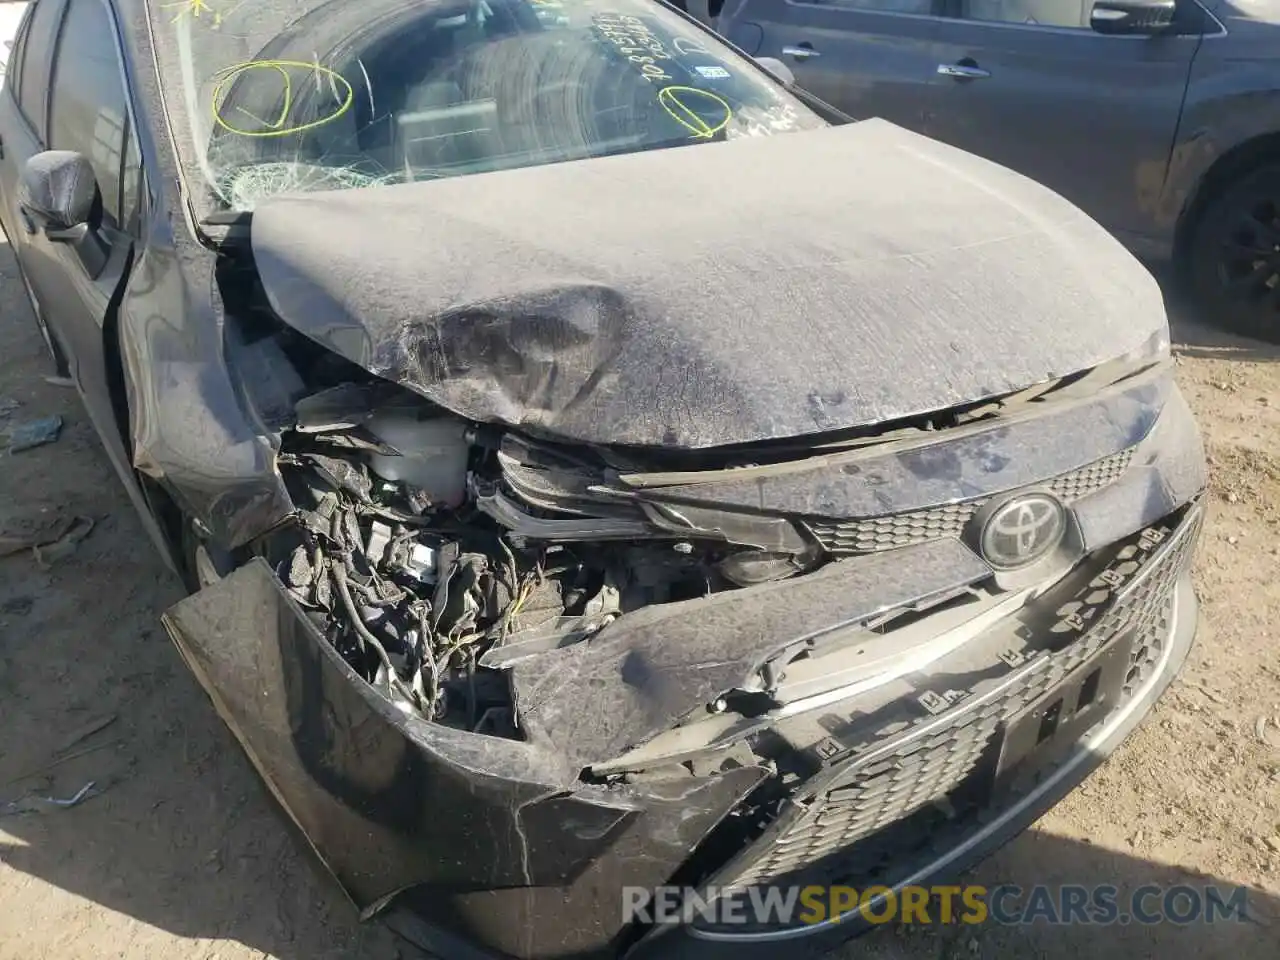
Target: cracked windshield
288,95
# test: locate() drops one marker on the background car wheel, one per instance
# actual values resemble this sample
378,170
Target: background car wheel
1234,256
59,358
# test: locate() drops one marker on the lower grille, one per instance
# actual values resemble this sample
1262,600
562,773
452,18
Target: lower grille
907,846
923,769
871,534
1148,646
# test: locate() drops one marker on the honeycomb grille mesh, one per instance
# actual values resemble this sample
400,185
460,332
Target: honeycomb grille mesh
914,771
872,534
1149,643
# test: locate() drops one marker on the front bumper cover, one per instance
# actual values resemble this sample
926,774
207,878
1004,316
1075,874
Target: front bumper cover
948,851
503,845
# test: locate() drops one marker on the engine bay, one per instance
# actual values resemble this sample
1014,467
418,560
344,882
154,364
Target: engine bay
435,551
429,550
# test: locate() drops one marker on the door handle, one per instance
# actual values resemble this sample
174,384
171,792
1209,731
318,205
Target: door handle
801,51
963,71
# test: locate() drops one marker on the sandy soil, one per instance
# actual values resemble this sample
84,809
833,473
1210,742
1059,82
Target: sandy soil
179,855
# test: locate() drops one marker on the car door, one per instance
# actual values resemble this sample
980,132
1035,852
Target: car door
1029,84
87,112
869,58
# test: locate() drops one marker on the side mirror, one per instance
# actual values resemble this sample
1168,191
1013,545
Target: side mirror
780,70
58,190
58,194
1132,16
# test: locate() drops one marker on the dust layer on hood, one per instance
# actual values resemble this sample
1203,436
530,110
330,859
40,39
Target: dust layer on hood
749,290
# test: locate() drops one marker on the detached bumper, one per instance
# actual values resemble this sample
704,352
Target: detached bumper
391,802
499,844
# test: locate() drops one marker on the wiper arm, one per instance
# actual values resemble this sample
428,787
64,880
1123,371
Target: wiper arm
228,218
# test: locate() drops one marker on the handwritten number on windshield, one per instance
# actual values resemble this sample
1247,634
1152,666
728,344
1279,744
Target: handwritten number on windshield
211,12
684,46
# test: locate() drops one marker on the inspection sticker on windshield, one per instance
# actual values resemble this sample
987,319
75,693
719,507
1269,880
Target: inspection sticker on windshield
713,73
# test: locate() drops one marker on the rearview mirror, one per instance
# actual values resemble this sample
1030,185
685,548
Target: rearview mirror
58,190
780,70
1132,16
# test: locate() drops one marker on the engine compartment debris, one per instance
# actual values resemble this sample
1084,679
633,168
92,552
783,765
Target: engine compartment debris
432,552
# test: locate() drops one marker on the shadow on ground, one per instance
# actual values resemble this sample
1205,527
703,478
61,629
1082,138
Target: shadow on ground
179,841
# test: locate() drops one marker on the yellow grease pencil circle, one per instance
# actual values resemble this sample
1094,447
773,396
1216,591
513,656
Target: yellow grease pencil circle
279,127
674,101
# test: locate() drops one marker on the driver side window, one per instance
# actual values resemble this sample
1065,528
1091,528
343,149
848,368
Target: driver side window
1038,13
37,50
88,110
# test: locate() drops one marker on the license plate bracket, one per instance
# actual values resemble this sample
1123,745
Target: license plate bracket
1061,716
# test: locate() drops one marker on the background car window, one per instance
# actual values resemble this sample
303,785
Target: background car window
87,108
922,8
37,52
1040,13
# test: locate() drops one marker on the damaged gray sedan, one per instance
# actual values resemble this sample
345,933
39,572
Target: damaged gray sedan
569,514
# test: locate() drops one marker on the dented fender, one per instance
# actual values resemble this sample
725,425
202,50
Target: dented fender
189,428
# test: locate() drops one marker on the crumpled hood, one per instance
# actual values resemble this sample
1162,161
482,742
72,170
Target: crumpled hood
740,291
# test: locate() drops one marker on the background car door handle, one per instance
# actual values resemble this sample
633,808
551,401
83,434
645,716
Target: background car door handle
963,71
801,51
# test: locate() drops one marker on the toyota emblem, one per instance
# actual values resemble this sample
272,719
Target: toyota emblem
1022,530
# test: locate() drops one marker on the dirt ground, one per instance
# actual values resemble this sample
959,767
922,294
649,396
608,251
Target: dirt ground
175,852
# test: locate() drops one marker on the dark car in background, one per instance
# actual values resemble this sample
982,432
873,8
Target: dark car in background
1160,118
593,468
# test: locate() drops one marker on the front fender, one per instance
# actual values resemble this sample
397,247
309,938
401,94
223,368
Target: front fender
188,427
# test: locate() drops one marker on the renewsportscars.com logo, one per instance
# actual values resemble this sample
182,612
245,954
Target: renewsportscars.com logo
1068,904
